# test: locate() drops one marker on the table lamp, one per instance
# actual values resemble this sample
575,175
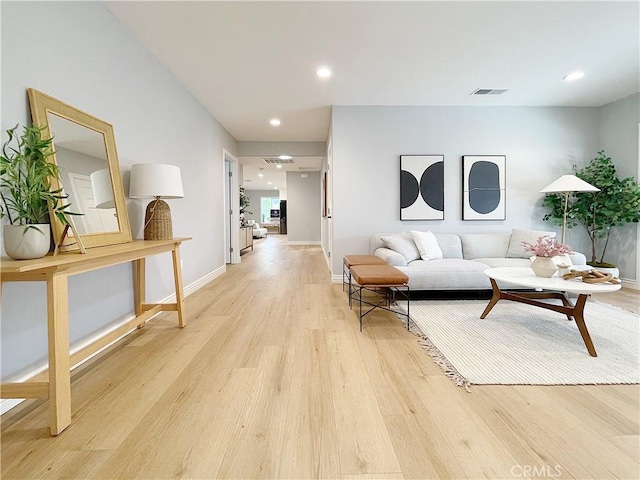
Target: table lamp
154,180
566,185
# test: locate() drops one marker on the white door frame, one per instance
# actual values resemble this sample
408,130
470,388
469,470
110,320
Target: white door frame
637,285
231,215
326,190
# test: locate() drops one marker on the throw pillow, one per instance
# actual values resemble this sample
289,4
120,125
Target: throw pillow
516,250
403,245
427,245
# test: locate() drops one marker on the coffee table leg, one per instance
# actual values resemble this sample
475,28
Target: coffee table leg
494,299
566,303
578,314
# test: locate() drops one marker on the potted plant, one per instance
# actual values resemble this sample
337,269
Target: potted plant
244,203
545,249
26,195
616,204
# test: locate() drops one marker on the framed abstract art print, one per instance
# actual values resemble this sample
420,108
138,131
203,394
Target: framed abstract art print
484,187
421,187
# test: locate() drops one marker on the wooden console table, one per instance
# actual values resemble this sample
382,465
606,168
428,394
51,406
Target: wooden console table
246,238
55,383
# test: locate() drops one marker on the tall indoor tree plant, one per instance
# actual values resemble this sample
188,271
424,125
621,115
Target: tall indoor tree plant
26,197
244,202
616,204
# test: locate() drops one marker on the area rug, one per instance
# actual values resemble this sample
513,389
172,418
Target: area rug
519,344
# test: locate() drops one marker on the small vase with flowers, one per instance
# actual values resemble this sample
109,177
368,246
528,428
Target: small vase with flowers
545,249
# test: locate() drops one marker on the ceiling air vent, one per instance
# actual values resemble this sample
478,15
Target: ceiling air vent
276,160
489,91
310,169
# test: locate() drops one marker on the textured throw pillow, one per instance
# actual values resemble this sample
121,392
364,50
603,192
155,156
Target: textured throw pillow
403,245
516,250
427,245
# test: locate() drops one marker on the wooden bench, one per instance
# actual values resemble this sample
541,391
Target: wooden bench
383,279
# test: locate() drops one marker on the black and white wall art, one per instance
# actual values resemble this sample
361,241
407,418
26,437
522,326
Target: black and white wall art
421,187
484,187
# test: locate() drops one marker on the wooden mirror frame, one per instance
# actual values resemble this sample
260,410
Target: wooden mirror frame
41,105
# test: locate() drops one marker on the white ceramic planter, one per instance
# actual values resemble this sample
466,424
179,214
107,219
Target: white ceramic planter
23,242
544,267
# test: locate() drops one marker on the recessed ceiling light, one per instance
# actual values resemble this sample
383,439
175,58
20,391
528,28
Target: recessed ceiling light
285,157
278,166
275,122
323,72
275,188
570,77
261,174
268,183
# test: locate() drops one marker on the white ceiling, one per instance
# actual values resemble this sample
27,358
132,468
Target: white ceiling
250,61
272,176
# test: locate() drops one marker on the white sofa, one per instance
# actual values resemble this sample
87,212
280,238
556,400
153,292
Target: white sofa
258,231
465,257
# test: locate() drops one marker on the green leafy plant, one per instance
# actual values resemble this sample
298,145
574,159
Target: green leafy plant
616,204
244,202
25,189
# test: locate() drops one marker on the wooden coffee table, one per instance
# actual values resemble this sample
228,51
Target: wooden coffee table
554,287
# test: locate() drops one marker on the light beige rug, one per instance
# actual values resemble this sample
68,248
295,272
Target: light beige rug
523,345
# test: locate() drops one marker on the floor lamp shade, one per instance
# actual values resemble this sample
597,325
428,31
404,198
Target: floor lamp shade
565,185
569,183
154,180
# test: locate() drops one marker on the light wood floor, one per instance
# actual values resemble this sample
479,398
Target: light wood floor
272,379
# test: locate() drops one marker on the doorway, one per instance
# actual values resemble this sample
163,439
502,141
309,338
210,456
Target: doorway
231,208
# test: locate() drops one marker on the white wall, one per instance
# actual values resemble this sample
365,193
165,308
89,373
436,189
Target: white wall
79,53
303,208
254,205
619,139
541,143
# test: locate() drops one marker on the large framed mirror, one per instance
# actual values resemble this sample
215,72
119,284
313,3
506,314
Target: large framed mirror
85,152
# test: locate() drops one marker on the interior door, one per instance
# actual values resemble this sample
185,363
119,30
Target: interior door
228,204
92,219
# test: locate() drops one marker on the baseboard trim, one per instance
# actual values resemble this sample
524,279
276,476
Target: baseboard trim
630,283
336,278
303,242
9,403
198,284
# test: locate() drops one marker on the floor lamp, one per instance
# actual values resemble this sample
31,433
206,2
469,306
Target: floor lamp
566,185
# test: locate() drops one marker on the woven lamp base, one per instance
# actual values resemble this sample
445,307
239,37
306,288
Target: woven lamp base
157,221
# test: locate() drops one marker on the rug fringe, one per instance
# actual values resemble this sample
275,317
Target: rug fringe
438,358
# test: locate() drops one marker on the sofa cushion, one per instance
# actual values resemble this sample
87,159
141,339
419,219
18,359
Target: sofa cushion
497,262
484,245
402,244
427,245
392,257
516,250
449,244
446,274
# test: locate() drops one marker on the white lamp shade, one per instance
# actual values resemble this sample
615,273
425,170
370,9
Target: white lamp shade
155,180
569,183
102,189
